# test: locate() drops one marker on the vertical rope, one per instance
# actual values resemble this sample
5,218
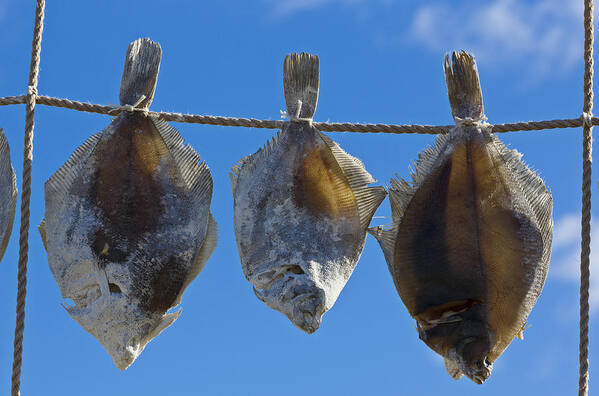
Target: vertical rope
26,195
587,146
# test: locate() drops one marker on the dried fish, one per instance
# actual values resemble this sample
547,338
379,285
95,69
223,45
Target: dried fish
471,237
8,194
127,224
302,206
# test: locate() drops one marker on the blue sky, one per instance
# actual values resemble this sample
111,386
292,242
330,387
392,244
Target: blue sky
381,61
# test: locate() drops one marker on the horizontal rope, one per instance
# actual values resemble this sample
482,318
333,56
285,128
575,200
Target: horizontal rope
278,124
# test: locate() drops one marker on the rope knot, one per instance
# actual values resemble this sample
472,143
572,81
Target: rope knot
473,122
130,108
296,118
587,119
31,90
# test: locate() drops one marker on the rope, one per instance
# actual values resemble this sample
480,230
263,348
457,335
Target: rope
31,98
272,124
587,159
36,48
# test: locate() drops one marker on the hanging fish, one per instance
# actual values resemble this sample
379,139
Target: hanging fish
127,224
302,207
8,194
471,237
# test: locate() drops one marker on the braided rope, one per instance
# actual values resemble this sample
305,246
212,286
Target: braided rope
26,195
278,124
586,120
587,147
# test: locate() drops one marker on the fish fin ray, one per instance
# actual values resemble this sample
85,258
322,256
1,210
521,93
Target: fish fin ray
368,199
42,230
194,171
249,163
140,73
386,239
7,172
61,181
463,86
537,194
300,81
402,191
208,245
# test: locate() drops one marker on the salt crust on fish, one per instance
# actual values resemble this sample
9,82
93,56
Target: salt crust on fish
127,223
302,206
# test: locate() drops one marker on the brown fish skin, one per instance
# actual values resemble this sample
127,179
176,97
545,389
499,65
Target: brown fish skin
460,239
470,245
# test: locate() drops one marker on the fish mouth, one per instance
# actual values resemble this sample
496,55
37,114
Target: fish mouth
307,312
479,371
294,294
126,354
471,358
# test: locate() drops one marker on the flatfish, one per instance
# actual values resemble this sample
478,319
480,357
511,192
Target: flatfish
302,206
127,223
8,194
470,243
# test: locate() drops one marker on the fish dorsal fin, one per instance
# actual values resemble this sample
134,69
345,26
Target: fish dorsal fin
9,192
402,191
463,86
531,184
300,76
140,73
249,162
59,184
195,173
42,230
367,198
386,238
206,250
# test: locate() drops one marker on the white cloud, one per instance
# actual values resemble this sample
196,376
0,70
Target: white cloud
565,260
287,7
544,34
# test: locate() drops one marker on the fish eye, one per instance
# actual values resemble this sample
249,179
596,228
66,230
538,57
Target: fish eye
114,288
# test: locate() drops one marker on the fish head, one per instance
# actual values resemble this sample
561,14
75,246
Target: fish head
122,324
289,290
471,356
465,344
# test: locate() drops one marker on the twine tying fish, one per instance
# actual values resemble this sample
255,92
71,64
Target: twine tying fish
132,108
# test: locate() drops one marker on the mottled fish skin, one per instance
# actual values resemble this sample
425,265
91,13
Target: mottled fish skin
126,241
470,245
301,208
127,223
8,194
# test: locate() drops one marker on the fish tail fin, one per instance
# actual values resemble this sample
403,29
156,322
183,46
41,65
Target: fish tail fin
463,86
140,74
301,78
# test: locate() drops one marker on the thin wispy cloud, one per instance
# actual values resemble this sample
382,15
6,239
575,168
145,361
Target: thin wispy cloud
283,8
565,262
542,35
